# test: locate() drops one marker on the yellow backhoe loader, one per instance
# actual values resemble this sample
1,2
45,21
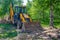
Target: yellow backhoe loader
19,17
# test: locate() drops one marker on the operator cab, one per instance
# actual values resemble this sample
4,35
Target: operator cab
18,10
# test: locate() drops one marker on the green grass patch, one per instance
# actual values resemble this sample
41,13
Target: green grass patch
8,31
47,25
44,25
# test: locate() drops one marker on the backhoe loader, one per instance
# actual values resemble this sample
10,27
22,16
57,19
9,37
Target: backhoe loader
20,18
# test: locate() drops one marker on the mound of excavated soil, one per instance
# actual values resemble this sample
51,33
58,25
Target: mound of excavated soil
47,34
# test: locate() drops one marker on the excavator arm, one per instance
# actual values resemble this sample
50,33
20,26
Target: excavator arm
11,13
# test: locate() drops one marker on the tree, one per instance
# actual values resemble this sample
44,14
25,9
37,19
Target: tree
38,9
5,6
51,13
52,5
46,10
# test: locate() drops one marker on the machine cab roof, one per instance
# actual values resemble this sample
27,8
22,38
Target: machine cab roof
21,9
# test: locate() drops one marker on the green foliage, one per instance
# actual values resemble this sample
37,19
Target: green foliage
5,6
40,9
37,9
7,31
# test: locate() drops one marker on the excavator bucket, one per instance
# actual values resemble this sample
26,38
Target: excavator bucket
32,27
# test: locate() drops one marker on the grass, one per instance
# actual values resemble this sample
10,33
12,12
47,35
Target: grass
7,31
47,25
58,26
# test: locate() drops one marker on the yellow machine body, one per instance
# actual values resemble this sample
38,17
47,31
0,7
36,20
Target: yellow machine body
22,15
20,18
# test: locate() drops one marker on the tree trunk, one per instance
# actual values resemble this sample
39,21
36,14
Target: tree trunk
51,16
42,13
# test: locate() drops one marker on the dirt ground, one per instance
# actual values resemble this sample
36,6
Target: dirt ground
45,34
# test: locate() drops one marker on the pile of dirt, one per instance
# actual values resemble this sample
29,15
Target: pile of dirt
33,27
4,19
47,34
52,32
